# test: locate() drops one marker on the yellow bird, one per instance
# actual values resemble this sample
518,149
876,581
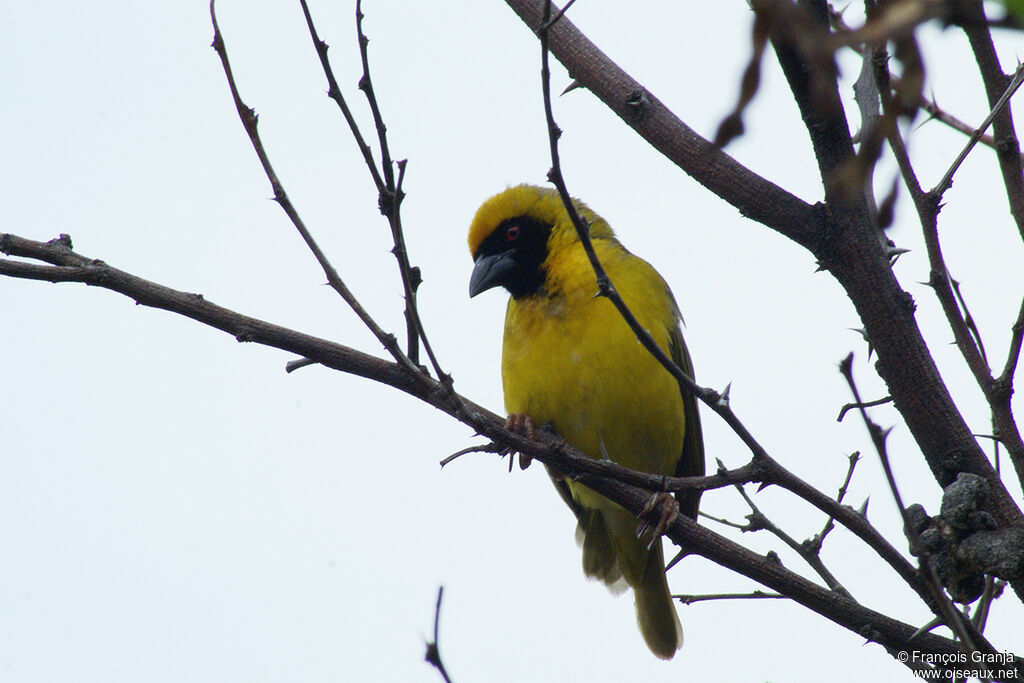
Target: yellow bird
571,362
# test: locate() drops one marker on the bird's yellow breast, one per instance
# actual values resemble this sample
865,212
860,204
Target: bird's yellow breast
570,359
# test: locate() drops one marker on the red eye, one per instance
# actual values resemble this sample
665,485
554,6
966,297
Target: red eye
512,233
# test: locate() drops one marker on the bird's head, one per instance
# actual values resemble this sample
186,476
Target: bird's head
515,234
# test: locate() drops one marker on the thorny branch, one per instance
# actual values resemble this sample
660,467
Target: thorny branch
250,122
951,617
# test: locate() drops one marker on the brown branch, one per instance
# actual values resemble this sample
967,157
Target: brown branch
1008,153
755,197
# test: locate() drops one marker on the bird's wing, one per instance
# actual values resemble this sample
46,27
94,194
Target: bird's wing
691,464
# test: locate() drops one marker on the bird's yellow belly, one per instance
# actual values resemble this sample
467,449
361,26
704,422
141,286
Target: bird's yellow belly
585,373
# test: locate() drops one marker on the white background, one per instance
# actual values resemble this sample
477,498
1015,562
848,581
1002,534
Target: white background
174,507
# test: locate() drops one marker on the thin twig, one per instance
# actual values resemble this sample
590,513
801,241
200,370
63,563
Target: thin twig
334,92
878,436
1013,354
754,595
758,520
724,522
433,655
492,447
947,178
389,199
366,85
249,122
869,404
972,327
993,589
814,544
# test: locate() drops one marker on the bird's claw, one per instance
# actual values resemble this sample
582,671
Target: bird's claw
521,424
668,509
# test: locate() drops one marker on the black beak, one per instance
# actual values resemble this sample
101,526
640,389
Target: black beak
491,271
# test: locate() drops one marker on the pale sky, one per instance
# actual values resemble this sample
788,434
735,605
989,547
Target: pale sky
174,507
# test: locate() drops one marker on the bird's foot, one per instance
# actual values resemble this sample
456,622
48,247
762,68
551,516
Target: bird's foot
667,509
521,424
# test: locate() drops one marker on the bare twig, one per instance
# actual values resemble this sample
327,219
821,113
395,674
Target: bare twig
1005,379
433,655
869,404
754,595
334,92
814,544
492,447
249,122
947,178
972,327
947,611
366,85
757,520
389,200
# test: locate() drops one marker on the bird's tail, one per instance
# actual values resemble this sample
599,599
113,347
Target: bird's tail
655,612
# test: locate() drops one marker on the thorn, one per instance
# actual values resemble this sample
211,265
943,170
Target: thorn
723,400
937,621
894,253
861,331
675,560
863,509
575,85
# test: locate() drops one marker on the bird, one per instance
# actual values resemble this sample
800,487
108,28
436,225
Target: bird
571,364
